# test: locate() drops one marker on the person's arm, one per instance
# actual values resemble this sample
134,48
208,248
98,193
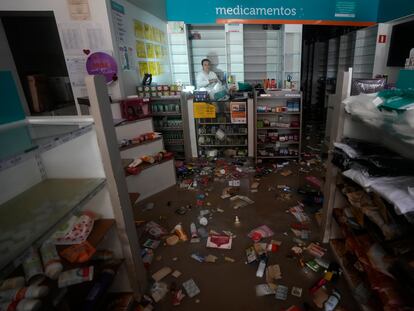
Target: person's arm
202,80
212,77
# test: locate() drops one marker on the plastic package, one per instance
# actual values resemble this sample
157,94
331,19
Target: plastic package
367,86
51,260
75,276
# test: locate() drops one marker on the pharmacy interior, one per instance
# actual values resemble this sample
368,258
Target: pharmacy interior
221,155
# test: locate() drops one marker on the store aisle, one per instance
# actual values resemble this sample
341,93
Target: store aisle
228,285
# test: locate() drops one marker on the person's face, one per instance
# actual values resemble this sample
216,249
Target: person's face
206,66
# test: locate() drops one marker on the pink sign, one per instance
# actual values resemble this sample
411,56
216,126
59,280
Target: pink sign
100,63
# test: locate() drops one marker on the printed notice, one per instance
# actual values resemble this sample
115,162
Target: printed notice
238,112
79,9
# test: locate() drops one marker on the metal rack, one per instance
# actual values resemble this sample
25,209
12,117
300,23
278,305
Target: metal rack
235,141
278,125
167,114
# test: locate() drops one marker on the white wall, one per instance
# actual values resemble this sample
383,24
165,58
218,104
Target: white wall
98,15
381,51
7,63
130,79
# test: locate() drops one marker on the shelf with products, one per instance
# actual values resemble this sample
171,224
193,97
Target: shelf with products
278,120
366,196
52,185
27,219
168,118
226,134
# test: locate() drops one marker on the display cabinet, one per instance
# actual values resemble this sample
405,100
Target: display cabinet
278,125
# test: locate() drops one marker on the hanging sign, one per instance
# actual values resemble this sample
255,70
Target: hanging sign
204,110
100,63
238,112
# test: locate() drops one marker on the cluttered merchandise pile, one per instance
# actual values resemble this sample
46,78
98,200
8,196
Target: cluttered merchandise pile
232,236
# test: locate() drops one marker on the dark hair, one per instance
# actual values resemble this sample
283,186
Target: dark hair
205,60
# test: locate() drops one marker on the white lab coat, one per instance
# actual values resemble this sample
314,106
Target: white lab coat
203,78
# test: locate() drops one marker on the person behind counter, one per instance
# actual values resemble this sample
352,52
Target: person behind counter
206,78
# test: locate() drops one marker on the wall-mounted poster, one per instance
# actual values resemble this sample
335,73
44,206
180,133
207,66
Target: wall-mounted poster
139,29
150,50
148,32
153,68
140,47
143,68
238,112
204,110
158,51
156,33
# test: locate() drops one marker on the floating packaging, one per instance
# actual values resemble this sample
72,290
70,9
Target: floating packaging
75,276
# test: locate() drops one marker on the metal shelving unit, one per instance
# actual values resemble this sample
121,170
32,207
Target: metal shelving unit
235,141
168,119
273,141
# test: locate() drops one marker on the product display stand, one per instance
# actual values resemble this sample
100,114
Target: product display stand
278,125
170,118
219,136
351,240
154,178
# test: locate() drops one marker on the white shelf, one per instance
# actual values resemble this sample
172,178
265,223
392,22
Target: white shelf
30,217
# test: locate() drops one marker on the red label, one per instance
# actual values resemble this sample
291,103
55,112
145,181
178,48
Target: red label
382,38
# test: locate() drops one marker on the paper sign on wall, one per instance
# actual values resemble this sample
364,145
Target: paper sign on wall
204,110
79,9
238,112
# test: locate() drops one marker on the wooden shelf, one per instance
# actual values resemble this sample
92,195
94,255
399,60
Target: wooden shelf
139,144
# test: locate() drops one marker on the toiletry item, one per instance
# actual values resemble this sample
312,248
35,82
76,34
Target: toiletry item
10,283
32,266
332,302
75,276
179,231
51,260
